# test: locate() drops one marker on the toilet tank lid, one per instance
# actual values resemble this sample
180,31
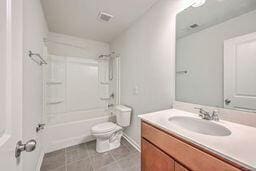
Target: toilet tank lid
123,108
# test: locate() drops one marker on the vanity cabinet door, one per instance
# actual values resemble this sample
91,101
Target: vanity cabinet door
179,167
154,159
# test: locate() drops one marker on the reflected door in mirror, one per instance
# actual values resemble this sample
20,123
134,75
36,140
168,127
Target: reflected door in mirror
240,72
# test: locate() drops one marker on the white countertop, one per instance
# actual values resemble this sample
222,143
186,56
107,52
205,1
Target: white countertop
239,147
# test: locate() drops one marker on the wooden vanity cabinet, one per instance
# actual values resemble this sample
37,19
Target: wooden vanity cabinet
179,167
153,159
162,151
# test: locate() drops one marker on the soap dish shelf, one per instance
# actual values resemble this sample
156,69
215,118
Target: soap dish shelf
54,82
55,101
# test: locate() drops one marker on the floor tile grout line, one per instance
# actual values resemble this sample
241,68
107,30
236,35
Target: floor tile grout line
112,156
90,155
115,162
80,159
47,157
112,152
130,146
66,167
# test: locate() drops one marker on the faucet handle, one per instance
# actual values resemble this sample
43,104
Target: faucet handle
203,113
40,127
199,108
215,115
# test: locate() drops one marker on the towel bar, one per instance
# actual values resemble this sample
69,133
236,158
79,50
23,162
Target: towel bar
41,62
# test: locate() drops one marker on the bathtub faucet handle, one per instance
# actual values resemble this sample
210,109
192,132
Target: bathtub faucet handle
40,127
110,105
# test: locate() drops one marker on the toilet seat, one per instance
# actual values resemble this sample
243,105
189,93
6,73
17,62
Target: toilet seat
108,135
104,128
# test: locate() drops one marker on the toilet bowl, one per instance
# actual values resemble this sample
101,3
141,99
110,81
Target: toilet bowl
108,134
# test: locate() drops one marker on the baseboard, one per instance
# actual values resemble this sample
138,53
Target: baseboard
132,142
64,143
57,145
40,161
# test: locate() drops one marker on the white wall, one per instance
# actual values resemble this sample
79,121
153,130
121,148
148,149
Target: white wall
201,54
64,45
147,57
35,29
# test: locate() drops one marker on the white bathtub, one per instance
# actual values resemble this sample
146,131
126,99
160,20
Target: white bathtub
64,130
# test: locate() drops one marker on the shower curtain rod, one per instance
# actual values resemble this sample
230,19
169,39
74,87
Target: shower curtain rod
108,56
81,47
65,44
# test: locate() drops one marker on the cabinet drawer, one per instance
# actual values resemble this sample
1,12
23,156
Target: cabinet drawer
187,155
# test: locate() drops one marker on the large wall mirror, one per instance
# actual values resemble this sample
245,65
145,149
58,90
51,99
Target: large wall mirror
216,54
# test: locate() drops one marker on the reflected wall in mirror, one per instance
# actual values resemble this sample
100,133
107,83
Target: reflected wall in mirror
216,54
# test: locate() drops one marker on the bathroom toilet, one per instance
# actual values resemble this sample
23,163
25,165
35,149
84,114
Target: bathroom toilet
108,134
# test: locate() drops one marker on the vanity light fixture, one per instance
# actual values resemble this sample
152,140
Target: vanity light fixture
199,3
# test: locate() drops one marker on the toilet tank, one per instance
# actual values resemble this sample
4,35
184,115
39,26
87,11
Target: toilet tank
123,115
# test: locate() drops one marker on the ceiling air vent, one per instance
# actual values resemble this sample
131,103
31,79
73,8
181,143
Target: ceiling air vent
103,16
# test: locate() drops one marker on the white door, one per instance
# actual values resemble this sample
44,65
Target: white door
10,83
11,86
240,73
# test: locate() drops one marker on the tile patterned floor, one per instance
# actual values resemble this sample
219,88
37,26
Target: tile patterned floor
83,157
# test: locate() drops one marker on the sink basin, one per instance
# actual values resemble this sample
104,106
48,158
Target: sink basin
200,126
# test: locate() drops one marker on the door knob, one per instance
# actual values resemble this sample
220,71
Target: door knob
28,147
227,101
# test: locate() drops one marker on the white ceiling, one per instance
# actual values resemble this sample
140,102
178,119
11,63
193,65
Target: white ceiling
79,17
211,13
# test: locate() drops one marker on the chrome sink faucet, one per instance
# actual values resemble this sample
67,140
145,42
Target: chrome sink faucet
215,115
207,116
204,114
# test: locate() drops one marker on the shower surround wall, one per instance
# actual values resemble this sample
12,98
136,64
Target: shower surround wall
72,85
73,71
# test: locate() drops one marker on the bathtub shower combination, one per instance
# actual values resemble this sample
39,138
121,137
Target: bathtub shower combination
77,93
